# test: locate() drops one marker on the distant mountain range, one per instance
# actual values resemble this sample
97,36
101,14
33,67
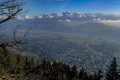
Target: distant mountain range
77,23
66,16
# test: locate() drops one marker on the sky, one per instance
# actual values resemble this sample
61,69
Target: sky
37,7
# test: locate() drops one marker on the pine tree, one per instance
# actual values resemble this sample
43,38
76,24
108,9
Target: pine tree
83,74
26,63
19,64
18,61
6,58
112,73
38,62
67,70
91,77
74,72
99,75
32,63
46,64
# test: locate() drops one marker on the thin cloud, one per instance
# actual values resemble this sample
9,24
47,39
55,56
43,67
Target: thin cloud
111,22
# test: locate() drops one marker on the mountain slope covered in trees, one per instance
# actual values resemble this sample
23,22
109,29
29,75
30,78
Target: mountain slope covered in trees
17,67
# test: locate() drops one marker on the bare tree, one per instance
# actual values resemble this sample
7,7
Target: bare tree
10,9
14,39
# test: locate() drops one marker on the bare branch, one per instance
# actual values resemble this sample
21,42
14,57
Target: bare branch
10,9
15,40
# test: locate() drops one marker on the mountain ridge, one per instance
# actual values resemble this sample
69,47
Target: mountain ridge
70,15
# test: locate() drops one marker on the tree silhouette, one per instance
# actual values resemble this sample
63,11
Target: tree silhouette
112,73
10,9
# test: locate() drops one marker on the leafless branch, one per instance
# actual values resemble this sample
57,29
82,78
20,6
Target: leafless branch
10,8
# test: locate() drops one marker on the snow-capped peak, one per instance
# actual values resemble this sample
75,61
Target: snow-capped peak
66,16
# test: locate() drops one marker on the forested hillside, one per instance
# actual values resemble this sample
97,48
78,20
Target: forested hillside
17,67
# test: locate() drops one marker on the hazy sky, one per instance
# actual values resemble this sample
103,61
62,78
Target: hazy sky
37,7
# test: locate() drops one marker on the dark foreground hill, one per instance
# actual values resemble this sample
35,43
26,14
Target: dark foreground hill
17,67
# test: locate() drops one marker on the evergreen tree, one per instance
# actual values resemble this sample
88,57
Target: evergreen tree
54,64
6,58
46,64
91,77
27,63
37,62
67,70
83,74
19,64
18,60
112,73
99,75
74,72
32,62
